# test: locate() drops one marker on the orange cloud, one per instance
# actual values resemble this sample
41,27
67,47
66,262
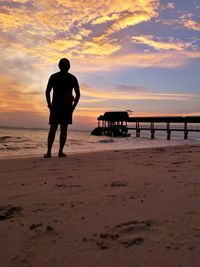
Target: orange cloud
136,95
148,40
191,24
14,97
163,59
20,1
41,24
103,49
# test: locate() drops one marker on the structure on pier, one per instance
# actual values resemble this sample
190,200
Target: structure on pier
112,124
118,124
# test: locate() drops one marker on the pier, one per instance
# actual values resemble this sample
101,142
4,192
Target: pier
118,124
168,124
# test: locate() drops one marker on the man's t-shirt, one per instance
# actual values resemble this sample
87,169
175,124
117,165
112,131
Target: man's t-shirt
62,83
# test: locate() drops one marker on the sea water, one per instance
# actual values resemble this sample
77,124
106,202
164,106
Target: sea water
33,142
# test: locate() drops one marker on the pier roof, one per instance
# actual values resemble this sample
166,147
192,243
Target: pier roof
114,116
124,116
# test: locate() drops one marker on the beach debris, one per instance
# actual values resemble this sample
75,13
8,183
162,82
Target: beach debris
8,213
49,228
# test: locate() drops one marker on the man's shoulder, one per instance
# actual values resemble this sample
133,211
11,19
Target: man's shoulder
72,76
55,74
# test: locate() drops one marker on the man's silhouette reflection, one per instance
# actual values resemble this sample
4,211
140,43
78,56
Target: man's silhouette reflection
62,105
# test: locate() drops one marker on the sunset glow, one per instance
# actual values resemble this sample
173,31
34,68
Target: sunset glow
141,55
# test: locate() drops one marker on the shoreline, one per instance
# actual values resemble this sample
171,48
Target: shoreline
136,207
54,155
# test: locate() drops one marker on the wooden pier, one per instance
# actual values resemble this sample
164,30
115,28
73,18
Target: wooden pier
113,122
181,124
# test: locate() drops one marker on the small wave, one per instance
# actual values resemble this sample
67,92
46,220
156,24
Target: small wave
8,138
13,148
106,141
75,142
5,137
29,147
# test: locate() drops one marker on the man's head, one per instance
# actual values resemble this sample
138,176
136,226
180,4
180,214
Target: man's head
64,64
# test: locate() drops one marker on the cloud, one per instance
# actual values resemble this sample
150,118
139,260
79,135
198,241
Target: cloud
104,49
105,19
38,23
92,100
160,59
45,30
132,89
138,94
185,20
191,24
170,5
20,1
15,97
160,45
129,19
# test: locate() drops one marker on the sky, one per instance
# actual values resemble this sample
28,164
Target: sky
138,55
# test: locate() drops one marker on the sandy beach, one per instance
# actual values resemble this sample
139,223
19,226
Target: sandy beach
117,208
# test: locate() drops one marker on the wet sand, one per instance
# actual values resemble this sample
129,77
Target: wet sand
116,208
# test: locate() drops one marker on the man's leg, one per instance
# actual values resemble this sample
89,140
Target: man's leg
63,137
51,137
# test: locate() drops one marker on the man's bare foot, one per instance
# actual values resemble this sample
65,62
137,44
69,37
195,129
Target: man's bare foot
47,155
62,155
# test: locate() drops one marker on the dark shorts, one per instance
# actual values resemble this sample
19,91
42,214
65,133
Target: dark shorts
60,115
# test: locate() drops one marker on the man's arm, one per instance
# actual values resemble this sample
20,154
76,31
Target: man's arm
77,95
48,91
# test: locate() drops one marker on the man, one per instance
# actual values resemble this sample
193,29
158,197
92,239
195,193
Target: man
62,105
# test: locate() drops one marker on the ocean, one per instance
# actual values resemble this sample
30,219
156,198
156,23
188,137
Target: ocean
32,142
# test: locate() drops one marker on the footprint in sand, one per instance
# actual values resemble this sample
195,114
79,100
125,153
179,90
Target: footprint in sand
128,234
118,183
64,178
132,232
68,185
9,212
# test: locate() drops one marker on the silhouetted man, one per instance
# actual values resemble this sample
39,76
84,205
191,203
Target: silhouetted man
62,105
